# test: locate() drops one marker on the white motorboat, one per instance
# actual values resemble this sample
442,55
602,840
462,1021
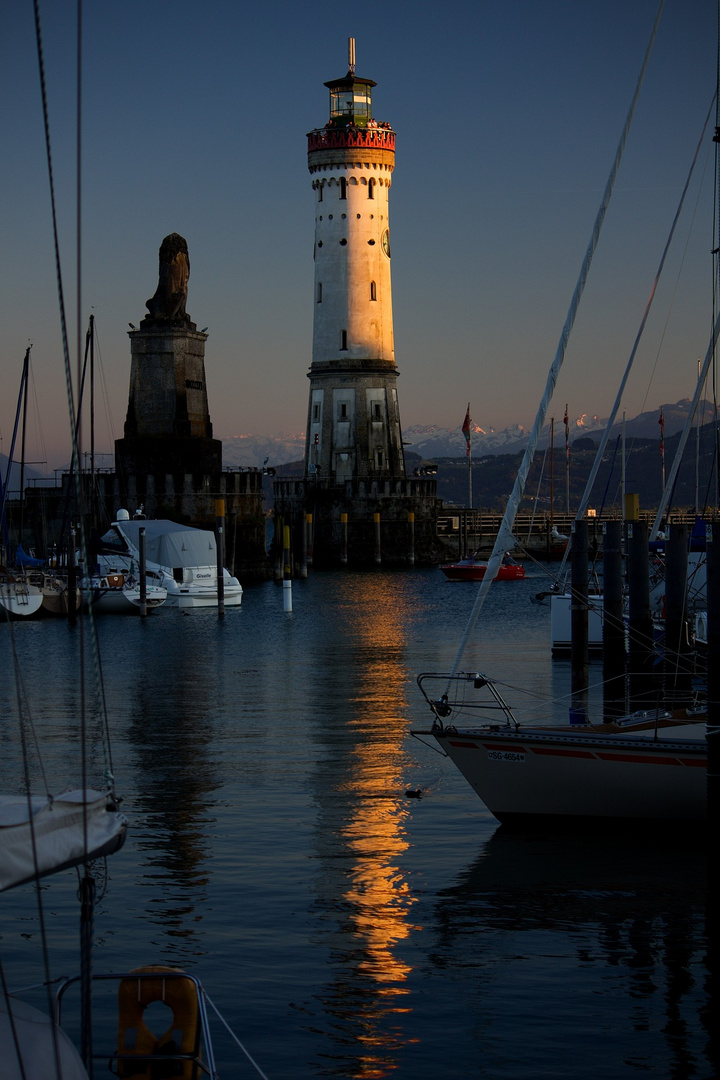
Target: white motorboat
647,767
119,594
181,559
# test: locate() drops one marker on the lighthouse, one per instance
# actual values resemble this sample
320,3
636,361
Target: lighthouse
355,504
353,428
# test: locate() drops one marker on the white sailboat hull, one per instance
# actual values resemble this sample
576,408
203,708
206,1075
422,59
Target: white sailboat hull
19,599
580,774
29,1045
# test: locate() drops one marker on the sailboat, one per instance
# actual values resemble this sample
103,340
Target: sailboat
18,598
649,766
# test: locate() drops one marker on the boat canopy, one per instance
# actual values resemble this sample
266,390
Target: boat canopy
64,831
166,542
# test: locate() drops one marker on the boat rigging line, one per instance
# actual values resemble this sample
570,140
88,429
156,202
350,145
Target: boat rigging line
504,539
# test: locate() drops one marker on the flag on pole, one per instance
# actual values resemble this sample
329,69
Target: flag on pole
466,430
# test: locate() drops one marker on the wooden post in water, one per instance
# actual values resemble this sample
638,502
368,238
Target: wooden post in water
579,665
640,652
614,654
279,523
287,570
72,580
219,537
142,559
677,666
411,537
713,700
378,545
309,538
302,568
344,539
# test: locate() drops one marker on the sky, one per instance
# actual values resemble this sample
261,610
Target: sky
508,116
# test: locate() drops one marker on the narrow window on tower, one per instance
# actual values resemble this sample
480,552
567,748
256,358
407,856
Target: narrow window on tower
373,291
319,292
379,459
343,340
377,410
343,411
316,411
320,191
343,188
371,188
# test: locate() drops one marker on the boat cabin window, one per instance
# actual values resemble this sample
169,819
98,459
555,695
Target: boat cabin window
178,573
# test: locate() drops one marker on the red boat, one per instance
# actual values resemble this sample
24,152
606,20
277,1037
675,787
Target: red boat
471,569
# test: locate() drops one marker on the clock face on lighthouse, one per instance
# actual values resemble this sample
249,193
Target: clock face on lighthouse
386,242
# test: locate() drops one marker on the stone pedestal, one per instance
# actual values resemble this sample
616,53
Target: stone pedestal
167,429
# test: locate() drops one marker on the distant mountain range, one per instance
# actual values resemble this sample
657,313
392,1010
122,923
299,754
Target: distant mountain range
430,442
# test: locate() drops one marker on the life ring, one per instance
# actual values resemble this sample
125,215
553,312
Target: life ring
135,1039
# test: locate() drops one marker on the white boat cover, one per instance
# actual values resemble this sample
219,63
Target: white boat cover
61,827
169,544
33,1032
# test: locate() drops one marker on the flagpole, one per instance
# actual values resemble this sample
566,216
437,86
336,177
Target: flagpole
469,472
468,450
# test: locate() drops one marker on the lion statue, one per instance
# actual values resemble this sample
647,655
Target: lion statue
168,303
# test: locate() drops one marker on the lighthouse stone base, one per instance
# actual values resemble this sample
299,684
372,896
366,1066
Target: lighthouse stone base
344,525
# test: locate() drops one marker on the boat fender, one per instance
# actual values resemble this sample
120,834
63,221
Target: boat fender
134,1036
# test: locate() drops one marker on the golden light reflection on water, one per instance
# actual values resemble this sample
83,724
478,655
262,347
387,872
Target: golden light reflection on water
376,900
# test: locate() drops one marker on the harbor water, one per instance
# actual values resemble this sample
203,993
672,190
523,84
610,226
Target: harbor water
342,928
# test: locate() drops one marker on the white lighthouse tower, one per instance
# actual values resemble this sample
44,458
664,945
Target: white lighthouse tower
353,429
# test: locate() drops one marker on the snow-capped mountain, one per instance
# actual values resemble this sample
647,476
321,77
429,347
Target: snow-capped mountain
255,451
431,441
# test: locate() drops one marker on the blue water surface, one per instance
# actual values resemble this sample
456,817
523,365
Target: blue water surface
342,928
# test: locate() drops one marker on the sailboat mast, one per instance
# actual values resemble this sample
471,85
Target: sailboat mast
91,333
26,368
567,463
622,481
552,471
